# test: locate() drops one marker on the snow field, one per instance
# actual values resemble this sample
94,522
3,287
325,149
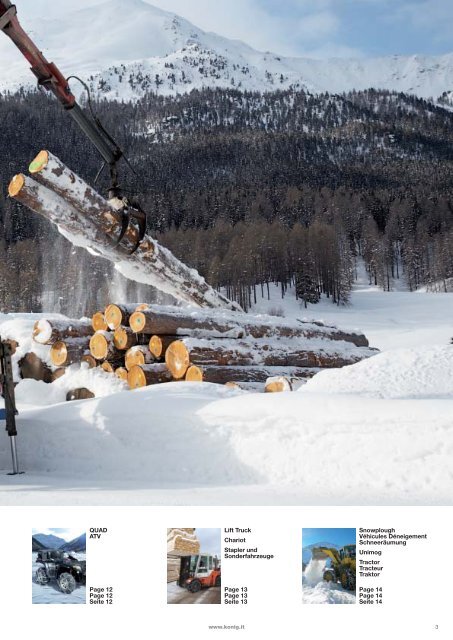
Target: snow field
377,432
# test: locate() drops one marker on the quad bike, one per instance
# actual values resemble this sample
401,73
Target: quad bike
58,565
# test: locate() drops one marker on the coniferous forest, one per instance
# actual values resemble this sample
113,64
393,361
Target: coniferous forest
250,189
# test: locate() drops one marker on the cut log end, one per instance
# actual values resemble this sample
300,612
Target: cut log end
177,359
277,384
137,322
136,377
194,374
156,346
114,316
121,373
98,322
137,356
107,367
99,346
121,339
58,353
40,162
16,185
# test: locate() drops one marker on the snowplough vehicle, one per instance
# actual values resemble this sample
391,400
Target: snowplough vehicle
343,564
199,571
66,570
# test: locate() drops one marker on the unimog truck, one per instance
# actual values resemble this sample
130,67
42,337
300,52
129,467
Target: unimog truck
66,570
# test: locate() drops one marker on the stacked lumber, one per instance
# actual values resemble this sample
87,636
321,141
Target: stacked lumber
182,542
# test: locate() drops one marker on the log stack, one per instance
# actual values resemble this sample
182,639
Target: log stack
151,344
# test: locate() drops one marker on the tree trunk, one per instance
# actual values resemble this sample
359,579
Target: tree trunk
98,322
158,345
79,394
177,321
88,220
31,366
223,375
50,331
278,353
144,375
277,385
139,355
124,338
102,347
66,352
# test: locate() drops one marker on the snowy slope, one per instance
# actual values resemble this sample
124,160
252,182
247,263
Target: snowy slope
140,42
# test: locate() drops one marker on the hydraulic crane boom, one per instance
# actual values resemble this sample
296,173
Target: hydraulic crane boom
51,78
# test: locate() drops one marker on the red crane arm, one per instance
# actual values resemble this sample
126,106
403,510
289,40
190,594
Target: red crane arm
49,76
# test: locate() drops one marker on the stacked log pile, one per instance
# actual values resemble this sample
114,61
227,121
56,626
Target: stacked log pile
180,543
150,344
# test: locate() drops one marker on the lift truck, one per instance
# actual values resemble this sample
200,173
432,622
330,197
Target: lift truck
343,565
200,571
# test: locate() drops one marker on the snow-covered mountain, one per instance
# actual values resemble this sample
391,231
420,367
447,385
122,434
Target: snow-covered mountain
128,47
78,544
49,541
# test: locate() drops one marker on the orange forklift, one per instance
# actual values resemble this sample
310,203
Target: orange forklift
200,571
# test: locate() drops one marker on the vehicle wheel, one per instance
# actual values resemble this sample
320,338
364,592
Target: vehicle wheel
67,583
41,576
329,576
218,581
195,586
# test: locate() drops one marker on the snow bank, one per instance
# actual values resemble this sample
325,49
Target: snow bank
316,448
425,372
37,393
326,593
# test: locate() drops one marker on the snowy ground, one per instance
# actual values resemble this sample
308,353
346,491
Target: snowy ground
178,595
379,432
50,593
315,590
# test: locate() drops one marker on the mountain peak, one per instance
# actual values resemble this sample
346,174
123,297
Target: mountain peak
145,48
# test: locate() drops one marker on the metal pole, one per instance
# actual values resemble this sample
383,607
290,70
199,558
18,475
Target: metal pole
15,471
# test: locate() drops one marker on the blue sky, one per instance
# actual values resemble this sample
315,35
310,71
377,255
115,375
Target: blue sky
339,537
316,28
210,541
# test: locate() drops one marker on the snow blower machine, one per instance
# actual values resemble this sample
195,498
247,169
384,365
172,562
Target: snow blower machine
343,564
198,572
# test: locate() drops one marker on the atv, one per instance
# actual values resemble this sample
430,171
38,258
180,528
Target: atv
62,567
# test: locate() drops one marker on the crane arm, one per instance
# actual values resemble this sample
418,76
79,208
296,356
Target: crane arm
51,78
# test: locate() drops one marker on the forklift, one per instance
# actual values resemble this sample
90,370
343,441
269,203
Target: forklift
198,572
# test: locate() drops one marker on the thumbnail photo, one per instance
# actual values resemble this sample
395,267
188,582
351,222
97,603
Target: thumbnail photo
58,566
328,566
193,566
